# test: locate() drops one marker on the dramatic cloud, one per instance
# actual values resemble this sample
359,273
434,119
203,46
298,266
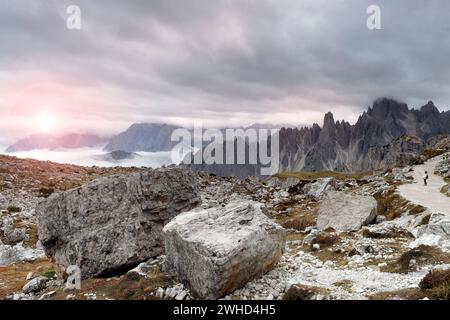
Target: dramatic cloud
224,62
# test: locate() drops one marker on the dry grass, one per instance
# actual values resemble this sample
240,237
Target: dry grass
339,257
13,277
431,153
391,205
425,220
393,233
45,177
403,294
345,284
295,236
299,218
127,287
303,292
32,233
446,189
323,174
423,255
326,240
417,210
435,278
437,284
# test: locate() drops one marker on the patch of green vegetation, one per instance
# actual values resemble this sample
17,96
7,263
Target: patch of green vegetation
50,274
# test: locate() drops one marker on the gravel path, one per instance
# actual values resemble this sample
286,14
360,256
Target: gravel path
428,196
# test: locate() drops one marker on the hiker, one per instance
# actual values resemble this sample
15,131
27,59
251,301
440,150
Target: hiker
425,178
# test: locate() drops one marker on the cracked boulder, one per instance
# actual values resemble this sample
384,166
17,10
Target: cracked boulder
115,222
346,212
218,250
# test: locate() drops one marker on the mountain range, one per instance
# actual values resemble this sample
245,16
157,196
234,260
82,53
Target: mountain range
341,146
386,135
51,142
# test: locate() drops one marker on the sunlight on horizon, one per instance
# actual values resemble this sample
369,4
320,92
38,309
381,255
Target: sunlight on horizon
45,122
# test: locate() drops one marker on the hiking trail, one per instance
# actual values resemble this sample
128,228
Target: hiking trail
427,196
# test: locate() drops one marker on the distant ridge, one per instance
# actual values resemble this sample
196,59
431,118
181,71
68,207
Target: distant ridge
147,137
50,142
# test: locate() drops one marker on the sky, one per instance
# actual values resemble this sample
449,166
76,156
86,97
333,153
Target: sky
224,62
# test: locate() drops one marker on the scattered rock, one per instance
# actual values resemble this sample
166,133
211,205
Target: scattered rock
35,285
13,254
435,233
218,250
145,267
318,188
380,219
287,183
47,295
346,212
16,235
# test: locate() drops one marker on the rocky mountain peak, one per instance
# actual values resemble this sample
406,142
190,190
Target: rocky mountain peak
328,121
385,107
429,108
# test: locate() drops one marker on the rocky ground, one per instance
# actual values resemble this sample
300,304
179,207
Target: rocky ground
385,245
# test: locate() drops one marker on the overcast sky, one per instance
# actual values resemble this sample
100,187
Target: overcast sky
226,62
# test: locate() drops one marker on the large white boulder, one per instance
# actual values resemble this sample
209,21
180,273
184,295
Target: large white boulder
115,222
218,250
435,233
346,212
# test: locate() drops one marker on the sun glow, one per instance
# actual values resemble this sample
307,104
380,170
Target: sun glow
45,122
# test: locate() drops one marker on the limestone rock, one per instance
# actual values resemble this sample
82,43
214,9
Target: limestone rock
36,285
318,188
346,212
13,254
114,222
435,233
218,250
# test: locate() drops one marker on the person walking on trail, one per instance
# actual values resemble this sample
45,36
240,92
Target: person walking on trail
425,178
